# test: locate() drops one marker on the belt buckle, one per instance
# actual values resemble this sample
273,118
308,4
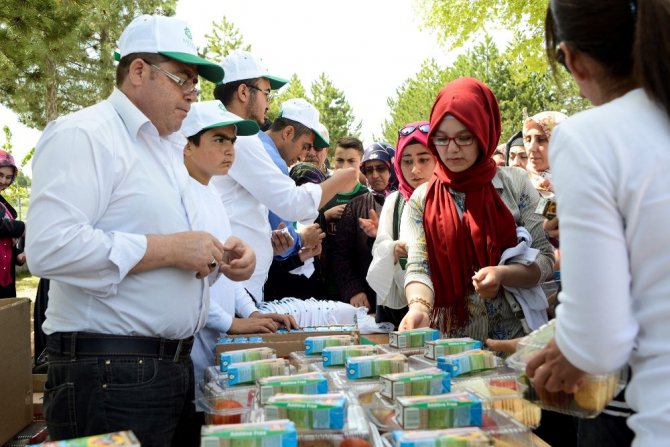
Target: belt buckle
177,351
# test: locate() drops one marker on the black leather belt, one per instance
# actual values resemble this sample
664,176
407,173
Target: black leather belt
84,344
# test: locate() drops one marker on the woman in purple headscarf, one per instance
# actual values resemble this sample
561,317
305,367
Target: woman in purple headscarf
10,230
414,165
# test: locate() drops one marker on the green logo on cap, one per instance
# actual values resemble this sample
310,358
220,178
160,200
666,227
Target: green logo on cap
188,33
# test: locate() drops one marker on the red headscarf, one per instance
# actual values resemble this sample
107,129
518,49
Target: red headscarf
403,141
456,248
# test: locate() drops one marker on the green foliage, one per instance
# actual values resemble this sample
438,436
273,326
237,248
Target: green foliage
336,113
221,41
56,56
515,88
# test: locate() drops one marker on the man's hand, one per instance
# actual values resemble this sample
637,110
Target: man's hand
252,326
335,213
280,319
487,281
369,226
347,178
399,251
360,300
553,372
281,240
311,235
21,258
306,253
239,260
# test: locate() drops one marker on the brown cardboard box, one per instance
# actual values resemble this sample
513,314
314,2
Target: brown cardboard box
16,393
283,344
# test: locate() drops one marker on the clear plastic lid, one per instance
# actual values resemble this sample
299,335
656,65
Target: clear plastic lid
362,389
227,405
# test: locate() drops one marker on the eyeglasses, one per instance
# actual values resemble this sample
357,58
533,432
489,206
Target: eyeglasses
187,85
307,146
461,140
268,93
423,128
372,169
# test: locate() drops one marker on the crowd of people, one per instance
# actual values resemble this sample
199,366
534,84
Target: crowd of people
172,221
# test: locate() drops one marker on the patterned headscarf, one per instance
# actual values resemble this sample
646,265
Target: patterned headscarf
546,120
6,159
305,172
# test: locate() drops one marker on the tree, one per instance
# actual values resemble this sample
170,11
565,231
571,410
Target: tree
223,39
336,113
294,89
56,56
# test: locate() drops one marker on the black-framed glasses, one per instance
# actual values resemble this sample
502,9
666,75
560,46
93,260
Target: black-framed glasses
188,86
372,169
460,140
423,128
268,93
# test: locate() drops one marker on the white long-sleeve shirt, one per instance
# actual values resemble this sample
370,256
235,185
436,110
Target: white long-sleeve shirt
253,186
611,168
103,178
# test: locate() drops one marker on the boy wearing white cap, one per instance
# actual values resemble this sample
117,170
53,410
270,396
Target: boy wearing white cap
112,226
211,132
254,184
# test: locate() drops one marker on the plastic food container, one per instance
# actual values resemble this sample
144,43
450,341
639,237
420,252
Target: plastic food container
249,372
502,392
244,355
227,405
499,429
441,411
308,383
281,433
313,412
415,338
302,362
338,355
315,345
362,389
375,365
418,361
388,349
356,432
468,362
450,346
587,402
426,382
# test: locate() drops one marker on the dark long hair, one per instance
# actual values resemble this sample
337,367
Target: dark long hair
629,38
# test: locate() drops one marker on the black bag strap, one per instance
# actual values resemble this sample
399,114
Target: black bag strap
397,212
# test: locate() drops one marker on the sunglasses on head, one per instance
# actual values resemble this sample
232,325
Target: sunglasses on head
423,128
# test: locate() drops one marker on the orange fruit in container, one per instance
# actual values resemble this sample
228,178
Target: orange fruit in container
227,404
354,442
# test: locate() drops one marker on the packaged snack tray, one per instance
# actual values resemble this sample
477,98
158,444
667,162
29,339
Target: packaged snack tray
441,411
327,411
449,346
249,372
375,365
414,338
315,345
307,383
468,362
280,433
415,383
233,405
338,355
244,355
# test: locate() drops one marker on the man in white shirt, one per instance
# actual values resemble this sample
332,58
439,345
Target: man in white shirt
255,185
111,225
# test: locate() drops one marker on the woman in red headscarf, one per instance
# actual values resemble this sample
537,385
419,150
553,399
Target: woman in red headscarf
462,221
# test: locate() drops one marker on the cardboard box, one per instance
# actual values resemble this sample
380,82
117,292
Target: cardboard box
16,381
282,343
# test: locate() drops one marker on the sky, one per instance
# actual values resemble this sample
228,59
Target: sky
366,47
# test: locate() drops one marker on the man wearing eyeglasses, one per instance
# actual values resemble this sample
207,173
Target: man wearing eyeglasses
255,184
111,224
318,155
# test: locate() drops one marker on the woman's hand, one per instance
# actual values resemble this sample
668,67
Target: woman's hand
487,281
369,226
506,346
416,317
551,227
399,251
553,372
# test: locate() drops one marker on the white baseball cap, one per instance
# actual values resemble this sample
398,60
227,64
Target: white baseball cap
168,36
210,114
298,109
240,65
